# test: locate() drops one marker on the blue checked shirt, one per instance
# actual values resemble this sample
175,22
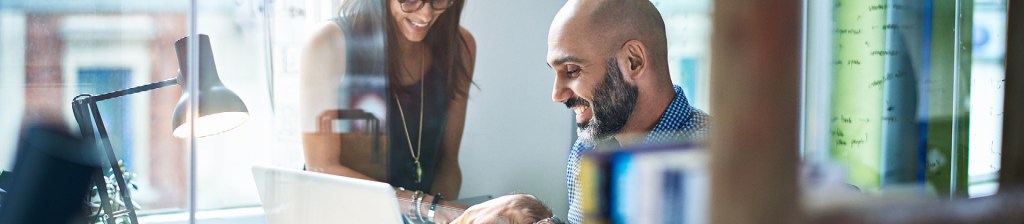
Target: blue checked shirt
680,121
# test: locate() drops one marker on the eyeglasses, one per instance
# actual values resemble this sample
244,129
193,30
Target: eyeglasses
416,5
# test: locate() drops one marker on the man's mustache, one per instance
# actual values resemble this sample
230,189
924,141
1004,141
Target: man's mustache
576,101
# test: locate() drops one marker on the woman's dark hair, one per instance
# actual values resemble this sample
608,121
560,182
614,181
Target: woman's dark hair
446,45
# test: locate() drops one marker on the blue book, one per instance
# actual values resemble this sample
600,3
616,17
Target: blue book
656,184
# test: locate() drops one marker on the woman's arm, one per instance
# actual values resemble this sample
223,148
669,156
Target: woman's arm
449,174
444,212
321,69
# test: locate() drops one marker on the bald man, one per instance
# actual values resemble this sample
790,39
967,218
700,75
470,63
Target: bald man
611,68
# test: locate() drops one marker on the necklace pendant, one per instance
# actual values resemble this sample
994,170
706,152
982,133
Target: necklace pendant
419,172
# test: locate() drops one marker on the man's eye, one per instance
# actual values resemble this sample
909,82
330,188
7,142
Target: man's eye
573,72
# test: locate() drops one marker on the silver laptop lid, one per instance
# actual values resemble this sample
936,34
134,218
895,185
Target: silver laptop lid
295,196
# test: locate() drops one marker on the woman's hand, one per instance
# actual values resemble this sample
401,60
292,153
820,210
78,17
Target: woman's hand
444,211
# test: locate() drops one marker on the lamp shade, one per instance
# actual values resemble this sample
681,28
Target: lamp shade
220,109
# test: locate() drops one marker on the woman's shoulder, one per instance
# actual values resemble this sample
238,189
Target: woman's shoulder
470,55
325,44
468,59
469,39
326,35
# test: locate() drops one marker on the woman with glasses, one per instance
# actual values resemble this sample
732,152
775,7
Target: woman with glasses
428,60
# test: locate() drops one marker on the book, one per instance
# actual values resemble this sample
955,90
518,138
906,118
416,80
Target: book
652,184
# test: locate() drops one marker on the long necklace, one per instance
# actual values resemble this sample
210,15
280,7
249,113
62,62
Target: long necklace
408,138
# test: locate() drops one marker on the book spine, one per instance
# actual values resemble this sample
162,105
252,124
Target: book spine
592,190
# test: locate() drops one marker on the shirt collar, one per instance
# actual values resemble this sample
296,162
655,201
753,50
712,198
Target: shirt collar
675,122
675,114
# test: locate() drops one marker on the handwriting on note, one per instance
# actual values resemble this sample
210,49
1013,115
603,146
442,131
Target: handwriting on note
885,53
847,31
846,119
840,63
882,7
843,140
878,83
859,141
895,27
837,133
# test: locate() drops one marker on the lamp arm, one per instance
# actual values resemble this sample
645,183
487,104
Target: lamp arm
129,91
83,105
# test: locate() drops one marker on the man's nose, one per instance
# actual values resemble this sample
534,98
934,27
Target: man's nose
560,93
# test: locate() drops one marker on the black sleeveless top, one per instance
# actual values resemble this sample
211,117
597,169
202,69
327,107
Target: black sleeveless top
435,117
366,57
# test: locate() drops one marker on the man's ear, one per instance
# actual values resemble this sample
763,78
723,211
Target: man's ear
633,61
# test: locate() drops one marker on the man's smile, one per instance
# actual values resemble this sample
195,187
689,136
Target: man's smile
583,114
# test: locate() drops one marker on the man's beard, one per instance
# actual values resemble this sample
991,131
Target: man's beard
612,104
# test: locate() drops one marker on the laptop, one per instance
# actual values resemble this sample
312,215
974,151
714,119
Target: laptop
296,196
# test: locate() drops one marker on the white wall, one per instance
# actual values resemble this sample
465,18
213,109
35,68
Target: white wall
12,83
516,139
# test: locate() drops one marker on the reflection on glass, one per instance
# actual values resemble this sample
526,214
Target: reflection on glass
375,65
54,50
912,97
986,97
857,103
223,161
688,27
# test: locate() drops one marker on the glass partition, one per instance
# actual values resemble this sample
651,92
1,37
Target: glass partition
54,51
223,162
988,45
909,91
688,26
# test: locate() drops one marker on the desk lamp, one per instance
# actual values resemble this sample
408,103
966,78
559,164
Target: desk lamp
219,110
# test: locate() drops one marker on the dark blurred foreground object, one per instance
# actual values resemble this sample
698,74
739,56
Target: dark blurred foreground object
4,175
52,174
1011,171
